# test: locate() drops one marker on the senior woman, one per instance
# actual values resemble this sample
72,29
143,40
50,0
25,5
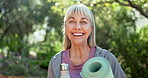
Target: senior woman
79,44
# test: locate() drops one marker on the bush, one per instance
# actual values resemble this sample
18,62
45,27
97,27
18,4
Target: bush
17,66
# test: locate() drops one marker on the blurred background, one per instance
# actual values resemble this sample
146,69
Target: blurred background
31,33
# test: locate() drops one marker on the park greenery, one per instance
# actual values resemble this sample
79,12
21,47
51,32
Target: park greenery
31,33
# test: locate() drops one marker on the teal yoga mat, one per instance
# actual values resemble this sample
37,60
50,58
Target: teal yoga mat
97,67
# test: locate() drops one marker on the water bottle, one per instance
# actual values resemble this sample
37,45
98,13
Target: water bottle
64,71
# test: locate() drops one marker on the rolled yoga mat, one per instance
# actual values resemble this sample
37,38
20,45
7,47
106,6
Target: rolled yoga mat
97,67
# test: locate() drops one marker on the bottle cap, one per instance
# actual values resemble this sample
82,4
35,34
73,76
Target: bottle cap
64,66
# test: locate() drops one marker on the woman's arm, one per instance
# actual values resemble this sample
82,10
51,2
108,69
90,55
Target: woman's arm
116,68
50,70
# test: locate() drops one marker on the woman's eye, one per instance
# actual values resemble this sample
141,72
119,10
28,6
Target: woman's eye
83,22
71,21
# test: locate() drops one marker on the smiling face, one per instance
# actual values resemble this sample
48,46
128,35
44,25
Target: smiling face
78,29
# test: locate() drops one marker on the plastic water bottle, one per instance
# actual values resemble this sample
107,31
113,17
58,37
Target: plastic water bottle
65,71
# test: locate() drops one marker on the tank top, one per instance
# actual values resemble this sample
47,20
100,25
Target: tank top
75,69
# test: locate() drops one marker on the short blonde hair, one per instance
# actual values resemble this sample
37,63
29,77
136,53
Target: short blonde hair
79,9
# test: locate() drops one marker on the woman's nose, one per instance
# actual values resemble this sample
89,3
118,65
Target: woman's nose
77,27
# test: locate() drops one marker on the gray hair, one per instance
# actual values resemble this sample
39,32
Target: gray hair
79,9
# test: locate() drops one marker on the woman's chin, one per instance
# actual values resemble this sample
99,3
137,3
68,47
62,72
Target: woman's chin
78,42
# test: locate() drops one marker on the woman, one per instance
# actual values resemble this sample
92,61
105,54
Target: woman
79,44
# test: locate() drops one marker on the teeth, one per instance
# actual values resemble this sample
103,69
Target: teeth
77,34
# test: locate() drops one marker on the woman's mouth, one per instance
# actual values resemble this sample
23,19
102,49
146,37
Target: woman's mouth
77,34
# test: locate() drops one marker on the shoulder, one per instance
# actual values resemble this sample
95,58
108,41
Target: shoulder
106,54
57,57
103,53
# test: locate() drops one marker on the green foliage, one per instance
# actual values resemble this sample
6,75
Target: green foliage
31,33
133,47
18,66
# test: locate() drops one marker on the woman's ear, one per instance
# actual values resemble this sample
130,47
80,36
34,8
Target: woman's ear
91,28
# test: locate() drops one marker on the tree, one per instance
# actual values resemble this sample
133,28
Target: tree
141,5
22,20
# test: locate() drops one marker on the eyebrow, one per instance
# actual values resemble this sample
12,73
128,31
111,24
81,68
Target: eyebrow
84,18
71,18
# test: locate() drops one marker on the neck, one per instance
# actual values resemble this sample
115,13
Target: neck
79,51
